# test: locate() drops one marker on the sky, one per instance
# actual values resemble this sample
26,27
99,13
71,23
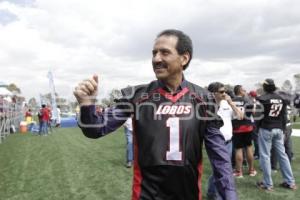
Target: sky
235,42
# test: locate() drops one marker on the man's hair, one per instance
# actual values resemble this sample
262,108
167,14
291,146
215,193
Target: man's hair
230,93
184,43
269,85
215,86
237,89
269,88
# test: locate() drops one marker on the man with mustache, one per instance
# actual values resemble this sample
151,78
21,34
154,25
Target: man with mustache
171,117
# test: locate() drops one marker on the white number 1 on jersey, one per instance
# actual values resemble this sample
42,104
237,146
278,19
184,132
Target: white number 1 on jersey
174,152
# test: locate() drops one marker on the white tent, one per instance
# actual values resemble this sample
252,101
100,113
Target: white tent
5,92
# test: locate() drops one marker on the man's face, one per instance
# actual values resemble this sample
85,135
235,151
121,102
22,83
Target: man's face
166,61
243,92
220,94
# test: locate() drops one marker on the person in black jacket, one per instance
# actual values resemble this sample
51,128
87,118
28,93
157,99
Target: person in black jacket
271,127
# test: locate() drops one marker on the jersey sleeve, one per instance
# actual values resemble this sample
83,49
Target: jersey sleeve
95,125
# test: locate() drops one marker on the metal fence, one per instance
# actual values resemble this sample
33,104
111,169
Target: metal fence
11,114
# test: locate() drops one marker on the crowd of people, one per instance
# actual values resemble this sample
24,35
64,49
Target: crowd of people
266,123
172,118
45,119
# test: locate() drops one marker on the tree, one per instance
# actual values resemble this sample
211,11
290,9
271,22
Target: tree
45,98
114,94
63,104
259,89
73,105
13,88
33,104
287,86
297,82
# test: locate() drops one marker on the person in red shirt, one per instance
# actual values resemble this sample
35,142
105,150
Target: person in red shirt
28,113
44,117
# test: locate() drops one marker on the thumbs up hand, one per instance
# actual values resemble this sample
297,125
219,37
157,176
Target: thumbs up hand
86,91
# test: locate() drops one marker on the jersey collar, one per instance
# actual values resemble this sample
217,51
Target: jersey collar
184,84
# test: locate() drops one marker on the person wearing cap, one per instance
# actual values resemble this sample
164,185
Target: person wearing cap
287,132
271,126
227,111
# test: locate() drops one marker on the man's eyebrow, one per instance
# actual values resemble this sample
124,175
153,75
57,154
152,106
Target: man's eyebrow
162,49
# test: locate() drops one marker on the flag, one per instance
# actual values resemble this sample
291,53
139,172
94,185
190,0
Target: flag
53,97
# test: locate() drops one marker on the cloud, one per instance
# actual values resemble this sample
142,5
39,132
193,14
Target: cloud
7,17
235,42
24,3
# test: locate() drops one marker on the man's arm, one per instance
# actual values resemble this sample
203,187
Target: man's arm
94,125
221,163
237,112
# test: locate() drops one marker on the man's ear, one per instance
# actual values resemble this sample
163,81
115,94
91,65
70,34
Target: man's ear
185,58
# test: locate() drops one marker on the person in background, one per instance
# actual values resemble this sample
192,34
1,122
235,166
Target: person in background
50,120
28,115
129,144
99,109
29,120
40,115
242,133
287,134
253,95
77,111
44,118
271,128
296,102
227,111
58,119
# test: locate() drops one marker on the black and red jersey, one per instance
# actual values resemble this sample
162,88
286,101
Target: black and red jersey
169,130
168,140
274,114
244,125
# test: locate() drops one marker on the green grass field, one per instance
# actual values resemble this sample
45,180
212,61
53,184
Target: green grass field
68,166
296,124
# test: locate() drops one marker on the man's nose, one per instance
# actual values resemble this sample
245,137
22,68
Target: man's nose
157,57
